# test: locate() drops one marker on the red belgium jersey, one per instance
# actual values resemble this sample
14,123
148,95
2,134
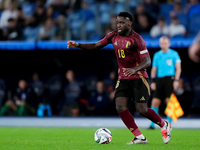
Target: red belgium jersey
129,51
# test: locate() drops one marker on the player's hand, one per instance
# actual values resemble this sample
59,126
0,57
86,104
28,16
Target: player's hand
175,85
128,71
153,86
72,44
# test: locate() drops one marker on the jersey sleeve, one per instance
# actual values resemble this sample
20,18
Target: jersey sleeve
143,51
107,39
177,58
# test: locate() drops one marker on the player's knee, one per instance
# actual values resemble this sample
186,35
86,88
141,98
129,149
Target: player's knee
142,111
120,108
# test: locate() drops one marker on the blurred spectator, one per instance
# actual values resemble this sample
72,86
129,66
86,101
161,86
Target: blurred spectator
177,9
161,28
39,2
175,28
3,35
184,96
38,17
53,92
112,25
151,8
194,8
90,83
110,83
140,10
13,32
143,25
61,29
4,4
21,102
72,93
99,100
87,17
47,30
21,18
38,88
107,30
73,5
11,12
179,13
59,6
3,91
50,12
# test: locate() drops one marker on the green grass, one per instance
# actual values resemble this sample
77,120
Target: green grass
83,139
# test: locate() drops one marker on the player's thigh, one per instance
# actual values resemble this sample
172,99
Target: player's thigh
122,88
121,101
156,102
168,86
159,93
141,90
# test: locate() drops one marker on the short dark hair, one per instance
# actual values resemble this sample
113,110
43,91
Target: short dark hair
126,14
161,18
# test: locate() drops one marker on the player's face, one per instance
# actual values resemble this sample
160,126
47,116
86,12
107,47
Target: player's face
164,44
123,25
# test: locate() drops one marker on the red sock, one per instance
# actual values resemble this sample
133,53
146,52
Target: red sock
154,117
129,121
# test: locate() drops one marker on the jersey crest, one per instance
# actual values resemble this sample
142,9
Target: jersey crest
128,44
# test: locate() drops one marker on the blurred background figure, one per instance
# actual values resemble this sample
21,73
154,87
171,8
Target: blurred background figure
98,101
21,103
176,29
140,11
111,26
110,83
38,88
184,96
193,8
54,92
38,17
47,30
13,32
160,29
21,18
62,31
10,12
72,93
151,8
3,92
143,26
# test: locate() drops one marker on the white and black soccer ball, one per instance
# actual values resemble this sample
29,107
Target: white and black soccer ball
102,136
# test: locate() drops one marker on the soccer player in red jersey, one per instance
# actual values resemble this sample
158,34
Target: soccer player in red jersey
133,59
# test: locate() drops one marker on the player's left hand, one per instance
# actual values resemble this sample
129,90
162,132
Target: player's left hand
175,85
128,71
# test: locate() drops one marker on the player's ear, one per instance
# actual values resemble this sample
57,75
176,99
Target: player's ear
130,23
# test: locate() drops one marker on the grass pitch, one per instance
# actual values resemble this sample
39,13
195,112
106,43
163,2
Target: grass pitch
83,139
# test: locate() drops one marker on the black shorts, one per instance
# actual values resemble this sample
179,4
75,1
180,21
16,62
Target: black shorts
164,87
137,90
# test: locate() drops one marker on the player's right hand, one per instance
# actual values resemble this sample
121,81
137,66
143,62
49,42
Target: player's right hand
72,44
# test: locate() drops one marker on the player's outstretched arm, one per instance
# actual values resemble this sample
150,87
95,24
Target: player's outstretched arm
85,46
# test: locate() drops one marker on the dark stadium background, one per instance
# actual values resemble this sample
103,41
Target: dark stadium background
17,65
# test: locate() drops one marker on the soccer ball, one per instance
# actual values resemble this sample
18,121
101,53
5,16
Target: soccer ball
102,136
